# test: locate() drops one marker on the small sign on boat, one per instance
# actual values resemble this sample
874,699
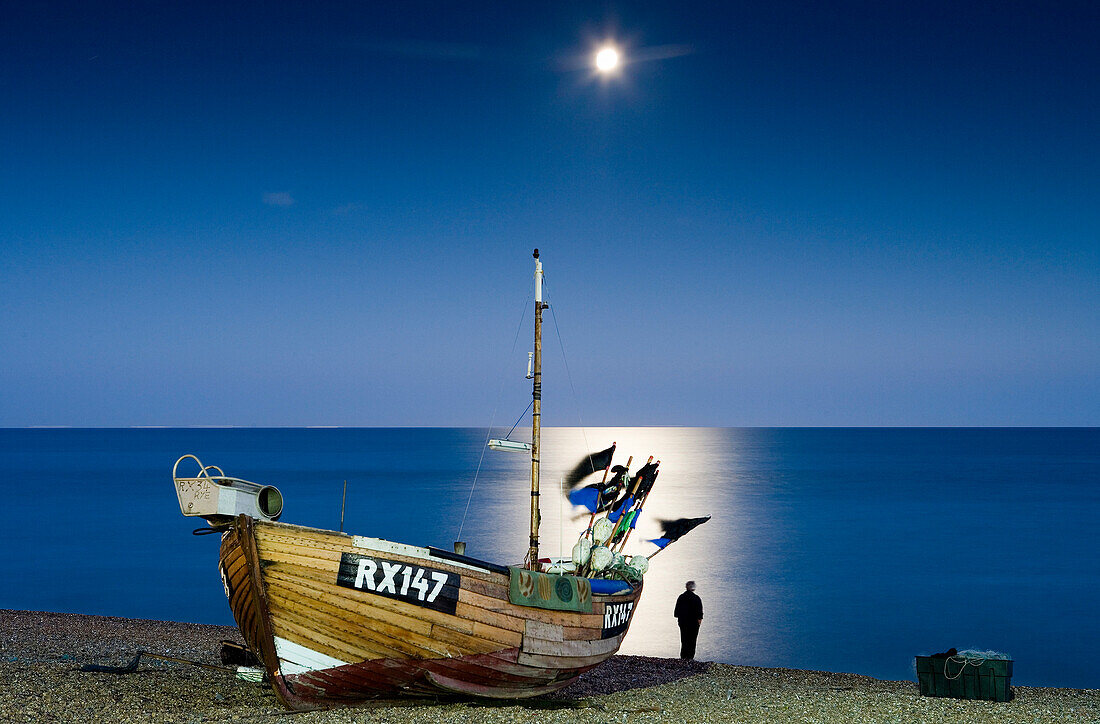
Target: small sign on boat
616,617
509,445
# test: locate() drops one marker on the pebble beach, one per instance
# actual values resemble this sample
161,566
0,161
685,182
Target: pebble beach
41,655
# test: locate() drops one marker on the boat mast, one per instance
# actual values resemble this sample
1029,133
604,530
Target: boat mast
536,414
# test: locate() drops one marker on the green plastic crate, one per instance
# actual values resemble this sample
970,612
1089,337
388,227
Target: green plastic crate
961,678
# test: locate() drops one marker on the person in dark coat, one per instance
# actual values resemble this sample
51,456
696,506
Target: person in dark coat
689,614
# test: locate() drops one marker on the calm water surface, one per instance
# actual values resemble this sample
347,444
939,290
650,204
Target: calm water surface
835,549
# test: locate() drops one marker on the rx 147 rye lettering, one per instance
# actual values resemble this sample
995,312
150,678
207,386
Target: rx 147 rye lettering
427,587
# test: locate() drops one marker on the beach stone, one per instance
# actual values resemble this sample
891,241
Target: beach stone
43,686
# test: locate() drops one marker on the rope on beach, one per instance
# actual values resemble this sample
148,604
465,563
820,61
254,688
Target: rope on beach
132,666
963,662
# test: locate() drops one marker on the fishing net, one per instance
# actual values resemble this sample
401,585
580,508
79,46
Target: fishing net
622,571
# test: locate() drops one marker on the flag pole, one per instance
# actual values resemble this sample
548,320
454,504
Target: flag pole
652,555
592,518
630,493
561,524
627,508
638,507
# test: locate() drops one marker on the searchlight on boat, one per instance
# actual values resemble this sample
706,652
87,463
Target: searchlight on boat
509,445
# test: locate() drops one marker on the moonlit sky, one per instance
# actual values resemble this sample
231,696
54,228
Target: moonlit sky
323,214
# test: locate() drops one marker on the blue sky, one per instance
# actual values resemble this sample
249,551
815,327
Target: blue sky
777,214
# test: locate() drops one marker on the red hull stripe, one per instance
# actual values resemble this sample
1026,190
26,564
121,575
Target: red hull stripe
494,675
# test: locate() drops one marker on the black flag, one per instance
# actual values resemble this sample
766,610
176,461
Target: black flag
644,479
676,529
588,465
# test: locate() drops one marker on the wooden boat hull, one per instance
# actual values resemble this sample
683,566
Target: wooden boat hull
340,619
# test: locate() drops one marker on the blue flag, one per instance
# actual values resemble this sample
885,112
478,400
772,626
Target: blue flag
587,497
598,497
614,515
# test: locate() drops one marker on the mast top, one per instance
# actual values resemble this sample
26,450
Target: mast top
538,283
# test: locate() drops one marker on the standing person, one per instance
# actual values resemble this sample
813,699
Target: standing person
689,614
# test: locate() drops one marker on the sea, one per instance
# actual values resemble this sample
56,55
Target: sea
845,550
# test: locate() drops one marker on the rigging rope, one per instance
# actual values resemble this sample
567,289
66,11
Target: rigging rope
492,419
568,374
520,418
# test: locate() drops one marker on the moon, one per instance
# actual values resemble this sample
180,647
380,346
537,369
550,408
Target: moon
607,59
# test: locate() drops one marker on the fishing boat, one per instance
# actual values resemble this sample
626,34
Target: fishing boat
339,619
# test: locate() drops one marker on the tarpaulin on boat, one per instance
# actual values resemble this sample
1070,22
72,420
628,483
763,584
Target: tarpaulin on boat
544,590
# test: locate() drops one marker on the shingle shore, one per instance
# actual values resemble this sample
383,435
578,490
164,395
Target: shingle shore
41,653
